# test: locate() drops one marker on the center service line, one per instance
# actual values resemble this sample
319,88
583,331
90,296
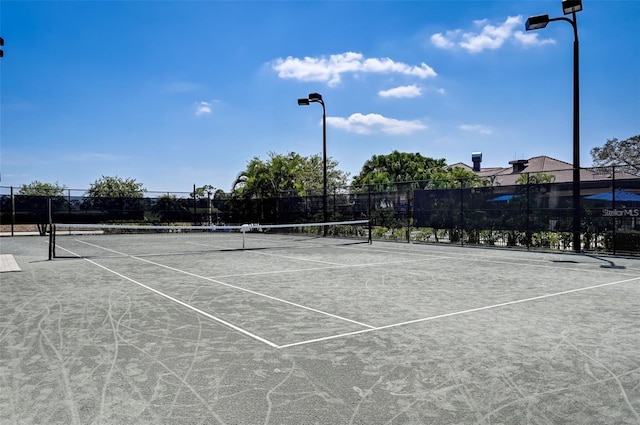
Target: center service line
237,287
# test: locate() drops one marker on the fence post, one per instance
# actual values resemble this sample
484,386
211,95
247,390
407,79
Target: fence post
195,207
69,206
13,211
461,212
613,207
334,205
369,206
528,214
369,213
50,211
408,215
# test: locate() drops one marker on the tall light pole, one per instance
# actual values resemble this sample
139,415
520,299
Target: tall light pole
539,22
317,98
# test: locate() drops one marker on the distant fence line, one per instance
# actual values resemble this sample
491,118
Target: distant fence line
521,215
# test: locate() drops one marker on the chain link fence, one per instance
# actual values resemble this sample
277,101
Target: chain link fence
528,215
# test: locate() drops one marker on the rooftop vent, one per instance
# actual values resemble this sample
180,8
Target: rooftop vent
519,165
476,157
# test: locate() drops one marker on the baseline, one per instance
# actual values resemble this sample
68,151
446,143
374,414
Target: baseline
458,313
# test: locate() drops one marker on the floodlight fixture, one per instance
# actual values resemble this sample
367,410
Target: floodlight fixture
571,6
536,22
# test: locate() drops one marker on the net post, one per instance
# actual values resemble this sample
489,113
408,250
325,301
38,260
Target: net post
370,232
52,241
243,230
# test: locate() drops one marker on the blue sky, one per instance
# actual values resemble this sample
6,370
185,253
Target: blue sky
173,93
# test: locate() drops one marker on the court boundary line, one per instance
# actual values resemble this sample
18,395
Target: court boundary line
182,303
311,269
488,259
458,313
330,263
219,282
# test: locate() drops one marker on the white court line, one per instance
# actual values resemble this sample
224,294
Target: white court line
457,313
342,266
182,303
280,256
234,287
487,259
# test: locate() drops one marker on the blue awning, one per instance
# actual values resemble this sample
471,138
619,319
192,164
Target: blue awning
621,196
502,198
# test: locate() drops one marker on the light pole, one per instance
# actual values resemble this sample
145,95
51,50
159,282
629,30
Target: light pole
539,22
317,98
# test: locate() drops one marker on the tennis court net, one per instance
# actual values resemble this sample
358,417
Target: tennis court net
100,240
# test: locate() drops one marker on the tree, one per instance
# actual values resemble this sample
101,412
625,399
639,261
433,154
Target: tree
169,209
537,178
34,197
117,198
114,187
291,174
203,192
37,188
382,172
267,191
622,153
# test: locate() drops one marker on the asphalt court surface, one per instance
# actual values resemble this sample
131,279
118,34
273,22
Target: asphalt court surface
321,292
379,334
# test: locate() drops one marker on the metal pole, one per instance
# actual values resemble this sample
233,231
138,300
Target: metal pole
195,207
324,167
527,215
613,207
461,212
577,225
52,242
369,215
13,211
408,215
576,139
210,220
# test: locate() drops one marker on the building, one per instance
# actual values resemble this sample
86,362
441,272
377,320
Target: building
561,171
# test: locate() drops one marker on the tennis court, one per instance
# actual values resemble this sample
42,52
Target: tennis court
194,329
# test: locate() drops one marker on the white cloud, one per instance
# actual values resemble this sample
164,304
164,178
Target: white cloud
476,128
203,108
402,91
375,123
489,37
444,41
331,69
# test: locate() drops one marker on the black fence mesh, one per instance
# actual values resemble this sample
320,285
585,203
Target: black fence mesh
521,215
